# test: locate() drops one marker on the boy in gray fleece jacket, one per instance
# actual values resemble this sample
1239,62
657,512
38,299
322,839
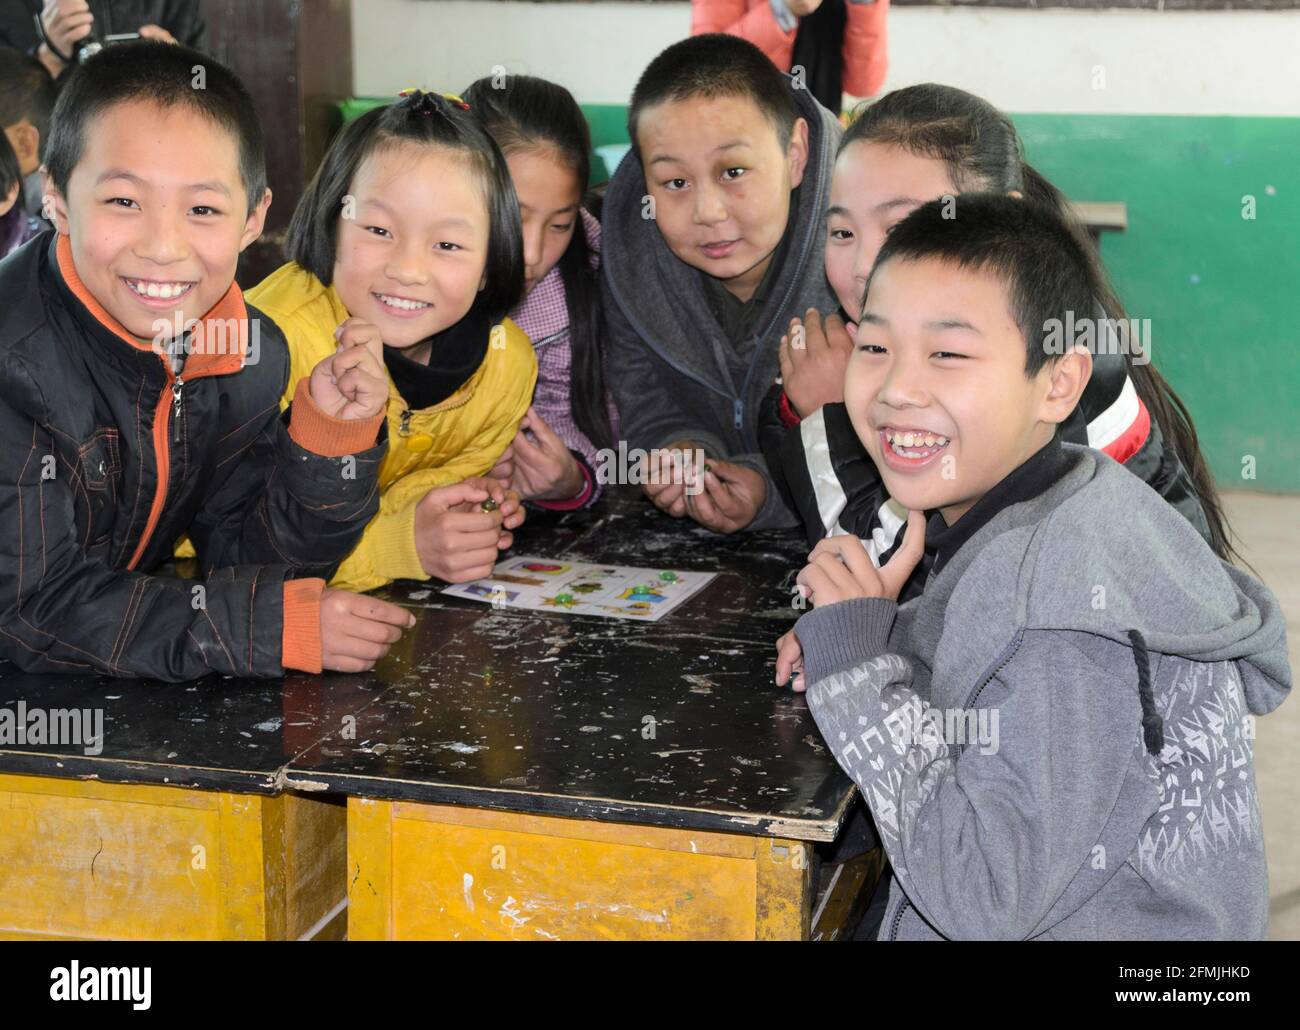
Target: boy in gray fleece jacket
1055,738
714,233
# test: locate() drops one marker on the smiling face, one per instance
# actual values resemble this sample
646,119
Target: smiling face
936,388
875,186
412,260
721,184
156,215
549,194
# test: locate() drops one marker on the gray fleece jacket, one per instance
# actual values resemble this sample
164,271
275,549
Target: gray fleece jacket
1104,668
673,373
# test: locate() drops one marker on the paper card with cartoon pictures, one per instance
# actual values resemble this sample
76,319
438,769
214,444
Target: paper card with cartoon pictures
584,588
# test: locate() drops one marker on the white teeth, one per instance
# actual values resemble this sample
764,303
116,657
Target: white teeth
899,441
161,291
402,303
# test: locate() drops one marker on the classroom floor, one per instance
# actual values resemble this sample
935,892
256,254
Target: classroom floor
1266,525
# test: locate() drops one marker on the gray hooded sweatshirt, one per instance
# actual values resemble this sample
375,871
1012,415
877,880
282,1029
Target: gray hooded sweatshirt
1104,669
674,374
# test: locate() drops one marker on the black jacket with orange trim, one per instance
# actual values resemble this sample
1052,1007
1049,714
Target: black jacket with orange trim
107,458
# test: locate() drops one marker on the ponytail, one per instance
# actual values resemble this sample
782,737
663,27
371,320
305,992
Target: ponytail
1170,414
587,396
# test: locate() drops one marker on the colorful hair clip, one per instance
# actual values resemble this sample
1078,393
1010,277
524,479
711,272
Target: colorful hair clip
418,100
428,102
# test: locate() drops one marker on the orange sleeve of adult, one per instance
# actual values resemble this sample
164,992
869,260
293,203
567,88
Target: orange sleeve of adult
866,50
753,21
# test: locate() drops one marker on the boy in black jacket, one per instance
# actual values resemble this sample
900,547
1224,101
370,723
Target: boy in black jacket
139,402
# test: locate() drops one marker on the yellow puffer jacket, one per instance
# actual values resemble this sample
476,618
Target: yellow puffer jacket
463,436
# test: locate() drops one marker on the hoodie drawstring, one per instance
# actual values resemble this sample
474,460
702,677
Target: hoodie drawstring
1153,725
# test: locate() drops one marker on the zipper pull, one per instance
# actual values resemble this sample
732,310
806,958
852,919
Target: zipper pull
416,443
176,408
739,412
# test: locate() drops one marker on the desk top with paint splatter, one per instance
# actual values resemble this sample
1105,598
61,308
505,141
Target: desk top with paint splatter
675,723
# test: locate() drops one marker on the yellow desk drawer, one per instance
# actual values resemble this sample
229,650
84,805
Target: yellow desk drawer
421,871
95,860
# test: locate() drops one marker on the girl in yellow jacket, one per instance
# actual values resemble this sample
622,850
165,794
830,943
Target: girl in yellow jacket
410,232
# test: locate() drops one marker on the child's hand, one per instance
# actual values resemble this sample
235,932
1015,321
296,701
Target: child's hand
544,467
731,497
789,662
840,569
508,502
813,374
351,382
356,630
668,489
455,539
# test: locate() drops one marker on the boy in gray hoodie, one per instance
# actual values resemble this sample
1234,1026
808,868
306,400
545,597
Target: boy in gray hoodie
713,234
1055,738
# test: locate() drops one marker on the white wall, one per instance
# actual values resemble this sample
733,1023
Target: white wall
1220,62
597,50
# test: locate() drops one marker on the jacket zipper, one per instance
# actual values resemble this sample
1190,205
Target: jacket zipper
898,918
737,403
1006,656
554,337
177,387
162,420
167,415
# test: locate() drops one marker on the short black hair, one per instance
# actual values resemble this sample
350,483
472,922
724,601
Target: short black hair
1048,272
419,118
26,92
164,74
716,65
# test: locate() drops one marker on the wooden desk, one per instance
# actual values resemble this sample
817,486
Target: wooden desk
508,773
539,776
181,827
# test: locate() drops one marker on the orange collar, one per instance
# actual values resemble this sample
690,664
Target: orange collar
219,342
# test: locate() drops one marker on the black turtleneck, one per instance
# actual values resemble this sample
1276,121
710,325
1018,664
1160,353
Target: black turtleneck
454,355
